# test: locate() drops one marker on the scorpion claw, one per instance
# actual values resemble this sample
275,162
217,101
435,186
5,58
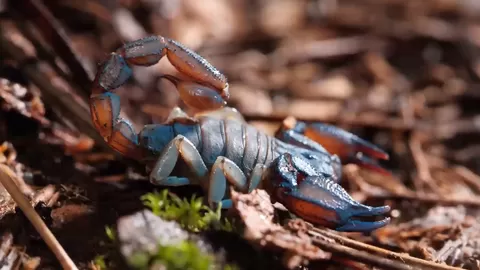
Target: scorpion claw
341,142
319,199
369,163
356,225
346,145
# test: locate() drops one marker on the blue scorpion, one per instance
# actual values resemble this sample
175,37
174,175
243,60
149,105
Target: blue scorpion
299,167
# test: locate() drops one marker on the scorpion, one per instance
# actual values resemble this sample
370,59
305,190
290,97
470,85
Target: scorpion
300,166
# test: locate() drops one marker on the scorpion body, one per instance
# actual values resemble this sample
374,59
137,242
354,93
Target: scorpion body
300,166
240,145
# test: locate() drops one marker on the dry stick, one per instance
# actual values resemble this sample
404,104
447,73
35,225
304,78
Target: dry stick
406,194
336,47
380,122
421,162
380,251
429,198
468,176
6,178
358,255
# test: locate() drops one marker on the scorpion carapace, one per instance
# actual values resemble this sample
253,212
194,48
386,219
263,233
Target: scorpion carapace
300,166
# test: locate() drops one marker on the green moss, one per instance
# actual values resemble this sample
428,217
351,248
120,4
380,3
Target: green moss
99,262
139,260
104,261
110,233
185,255
191,214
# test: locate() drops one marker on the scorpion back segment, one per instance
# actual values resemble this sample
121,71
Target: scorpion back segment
221,149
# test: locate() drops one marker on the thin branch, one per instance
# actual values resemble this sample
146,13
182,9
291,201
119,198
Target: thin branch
400,192
7,177
429,198
412,262
357,255
421,163
358,120
468,176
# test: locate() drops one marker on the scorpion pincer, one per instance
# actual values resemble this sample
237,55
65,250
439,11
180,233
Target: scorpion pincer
300,166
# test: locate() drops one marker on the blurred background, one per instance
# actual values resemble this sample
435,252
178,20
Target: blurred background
403,74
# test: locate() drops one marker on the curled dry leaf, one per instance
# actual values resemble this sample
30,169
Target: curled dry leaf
257,212
12,257
47,194
426,236
463,251
17,97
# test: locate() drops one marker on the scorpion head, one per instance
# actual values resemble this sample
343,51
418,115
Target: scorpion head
317,198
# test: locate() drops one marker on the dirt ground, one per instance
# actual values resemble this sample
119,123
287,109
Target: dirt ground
402,74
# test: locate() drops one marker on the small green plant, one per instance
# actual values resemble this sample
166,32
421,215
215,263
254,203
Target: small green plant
110,233
191,214
185,255
99,262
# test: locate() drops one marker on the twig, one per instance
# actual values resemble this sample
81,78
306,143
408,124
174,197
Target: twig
369,249
382,123
330,48
7,179
468,176
91,7
358,255
421,162
400,192
429,198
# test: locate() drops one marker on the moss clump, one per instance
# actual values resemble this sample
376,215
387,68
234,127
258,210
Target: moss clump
185,255
110,232
99,262
191,214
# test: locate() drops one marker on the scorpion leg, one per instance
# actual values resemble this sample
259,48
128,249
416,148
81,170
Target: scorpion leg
317,198
345,145
224,171
178,147
223,113
177,112
178,115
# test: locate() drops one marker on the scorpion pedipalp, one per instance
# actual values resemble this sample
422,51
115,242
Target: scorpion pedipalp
319,199
347,146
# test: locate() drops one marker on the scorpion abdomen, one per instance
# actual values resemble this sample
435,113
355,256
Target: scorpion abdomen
213,137
241,143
